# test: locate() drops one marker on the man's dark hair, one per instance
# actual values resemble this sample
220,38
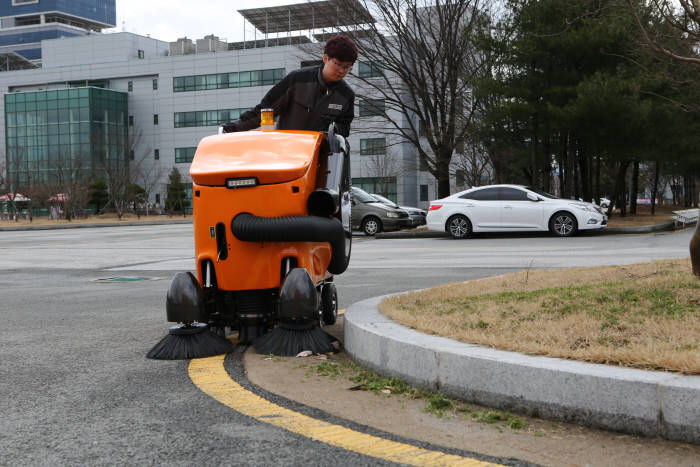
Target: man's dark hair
342,48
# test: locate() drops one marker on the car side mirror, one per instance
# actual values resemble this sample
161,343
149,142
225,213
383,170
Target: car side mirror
532,197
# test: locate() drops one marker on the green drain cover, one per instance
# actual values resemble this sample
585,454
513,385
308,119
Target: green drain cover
123,279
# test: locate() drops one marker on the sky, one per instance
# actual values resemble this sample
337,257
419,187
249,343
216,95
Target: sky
168,20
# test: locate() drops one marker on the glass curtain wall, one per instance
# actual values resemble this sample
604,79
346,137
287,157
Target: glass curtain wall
51,133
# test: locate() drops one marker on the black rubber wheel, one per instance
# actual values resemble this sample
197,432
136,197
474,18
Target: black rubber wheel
563,224
329,303
459,226
371,225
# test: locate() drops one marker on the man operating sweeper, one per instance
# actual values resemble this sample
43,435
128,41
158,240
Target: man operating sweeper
310,98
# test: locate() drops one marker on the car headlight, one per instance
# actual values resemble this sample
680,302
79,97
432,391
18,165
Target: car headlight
583,207
392,214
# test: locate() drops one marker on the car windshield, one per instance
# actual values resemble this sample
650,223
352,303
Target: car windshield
363,196
541,193
383,199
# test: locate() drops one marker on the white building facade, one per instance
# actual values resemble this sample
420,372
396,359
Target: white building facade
176,100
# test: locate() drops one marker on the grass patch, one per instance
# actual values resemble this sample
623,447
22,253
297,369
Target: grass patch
641,316
497,416
436,403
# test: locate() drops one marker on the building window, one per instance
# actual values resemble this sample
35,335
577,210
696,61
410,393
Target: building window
155,119
157,198
184,155
95,83
385,186
85,125
155,83
370,69
241,79
206,117
141,53
421,129
156,154
131,120
424,192
372,146
131,154
459,177
371,107
130,86
307,63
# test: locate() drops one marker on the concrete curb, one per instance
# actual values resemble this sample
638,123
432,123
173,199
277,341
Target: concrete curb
648,403
86,226
666,226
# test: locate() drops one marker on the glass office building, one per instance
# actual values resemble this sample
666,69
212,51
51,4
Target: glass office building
74,132
25,23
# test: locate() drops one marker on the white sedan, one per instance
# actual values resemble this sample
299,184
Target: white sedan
509,208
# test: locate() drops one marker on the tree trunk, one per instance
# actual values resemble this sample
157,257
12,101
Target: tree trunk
634,188
597,193
533,154
584,172
577,173
547,146
562,165
443,172
655,187
618,198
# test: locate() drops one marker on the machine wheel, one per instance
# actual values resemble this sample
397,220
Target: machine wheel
329,303
459,226
563,224
371,225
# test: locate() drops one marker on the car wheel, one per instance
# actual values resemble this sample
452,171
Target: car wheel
459,226
563,224
371,225
329,303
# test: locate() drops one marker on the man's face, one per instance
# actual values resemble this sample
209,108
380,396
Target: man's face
334,70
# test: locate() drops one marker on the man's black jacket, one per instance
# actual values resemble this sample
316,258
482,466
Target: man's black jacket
303,101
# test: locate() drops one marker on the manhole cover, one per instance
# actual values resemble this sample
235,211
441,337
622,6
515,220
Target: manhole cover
126,279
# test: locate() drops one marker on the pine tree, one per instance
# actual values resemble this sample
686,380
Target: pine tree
98,194
176,200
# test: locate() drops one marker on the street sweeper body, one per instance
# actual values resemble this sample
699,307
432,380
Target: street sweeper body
271,215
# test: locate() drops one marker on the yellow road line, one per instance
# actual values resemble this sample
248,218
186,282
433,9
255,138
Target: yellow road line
210,376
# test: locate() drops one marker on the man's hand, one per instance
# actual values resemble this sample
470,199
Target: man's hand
230,127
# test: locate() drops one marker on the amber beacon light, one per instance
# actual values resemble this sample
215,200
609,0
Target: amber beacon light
267,119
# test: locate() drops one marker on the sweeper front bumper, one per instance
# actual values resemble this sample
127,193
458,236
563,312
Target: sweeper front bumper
266,203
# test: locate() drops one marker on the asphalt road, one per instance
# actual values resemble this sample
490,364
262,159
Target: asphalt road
77,390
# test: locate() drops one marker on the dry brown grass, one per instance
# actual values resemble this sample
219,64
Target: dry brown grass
642,316
643,216
98,219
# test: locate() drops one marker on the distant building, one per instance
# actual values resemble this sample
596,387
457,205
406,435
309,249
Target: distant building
150,102
25,23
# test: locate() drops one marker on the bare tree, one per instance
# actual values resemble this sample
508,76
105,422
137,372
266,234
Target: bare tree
414,63
3,180
120,172
3,175
472,163
17,184
685,20
148,176
68,183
